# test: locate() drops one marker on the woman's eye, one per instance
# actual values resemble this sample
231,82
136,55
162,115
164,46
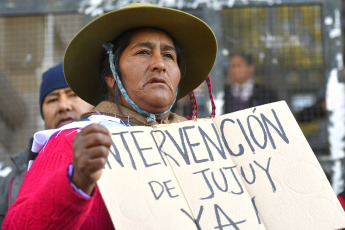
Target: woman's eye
168,55
143,52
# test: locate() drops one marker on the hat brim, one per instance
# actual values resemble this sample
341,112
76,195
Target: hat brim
83,55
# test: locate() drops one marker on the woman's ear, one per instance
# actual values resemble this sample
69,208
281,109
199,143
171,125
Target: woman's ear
110,81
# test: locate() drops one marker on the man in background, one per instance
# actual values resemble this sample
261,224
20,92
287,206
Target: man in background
243,92
59,105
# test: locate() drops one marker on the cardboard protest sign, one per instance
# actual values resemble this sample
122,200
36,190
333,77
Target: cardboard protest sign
252,169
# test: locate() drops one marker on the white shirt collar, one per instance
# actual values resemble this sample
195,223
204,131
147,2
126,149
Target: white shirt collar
243,91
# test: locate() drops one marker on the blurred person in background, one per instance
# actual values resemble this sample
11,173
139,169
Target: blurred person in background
59,105
243,92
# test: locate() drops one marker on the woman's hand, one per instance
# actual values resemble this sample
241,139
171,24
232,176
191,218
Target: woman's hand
90,151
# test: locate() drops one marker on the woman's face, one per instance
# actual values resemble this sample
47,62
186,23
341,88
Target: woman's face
149,70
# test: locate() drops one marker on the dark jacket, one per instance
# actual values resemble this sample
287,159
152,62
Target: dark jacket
261,95
11,178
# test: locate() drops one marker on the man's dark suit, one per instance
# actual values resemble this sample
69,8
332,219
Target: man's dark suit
261,95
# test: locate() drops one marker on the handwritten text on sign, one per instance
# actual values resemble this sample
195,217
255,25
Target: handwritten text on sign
211,174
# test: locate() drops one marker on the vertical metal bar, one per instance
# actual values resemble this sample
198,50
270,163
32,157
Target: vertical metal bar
335,90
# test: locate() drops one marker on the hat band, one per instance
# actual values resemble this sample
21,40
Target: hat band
150,117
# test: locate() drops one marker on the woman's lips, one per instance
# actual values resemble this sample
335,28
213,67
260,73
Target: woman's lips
157,80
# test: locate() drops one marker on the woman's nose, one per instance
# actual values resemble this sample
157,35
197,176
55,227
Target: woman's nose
157,63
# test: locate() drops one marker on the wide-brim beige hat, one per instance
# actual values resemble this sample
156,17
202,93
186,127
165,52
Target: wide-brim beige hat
83,55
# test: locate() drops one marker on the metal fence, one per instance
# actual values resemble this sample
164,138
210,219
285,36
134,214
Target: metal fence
286,44
29,44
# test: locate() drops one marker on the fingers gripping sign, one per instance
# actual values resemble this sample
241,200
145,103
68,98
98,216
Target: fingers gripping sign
90,151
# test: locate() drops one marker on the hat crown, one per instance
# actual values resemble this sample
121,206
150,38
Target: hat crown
194,36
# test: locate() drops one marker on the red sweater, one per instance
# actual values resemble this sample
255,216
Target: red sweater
46,199
342,200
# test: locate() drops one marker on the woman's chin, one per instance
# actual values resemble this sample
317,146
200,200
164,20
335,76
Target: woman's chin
156,104
157,108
